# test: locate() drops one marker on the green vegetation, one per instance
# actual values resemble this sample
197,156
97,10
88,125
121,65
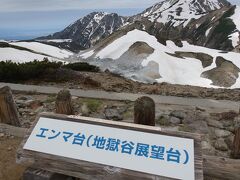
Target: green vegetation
10,71
162,120
226,26
185,128
92,104
14,72
81,67
128,114
51,98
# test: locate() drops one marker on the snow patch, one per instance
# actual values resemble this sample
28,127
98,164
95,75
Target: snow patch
207,32
236,17
235,38
172,69
56,40
44,49
19,56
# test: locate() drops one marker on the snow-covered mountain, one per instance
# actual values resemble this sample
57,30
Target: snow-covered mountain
29,51
213,28
139,56
177,12
189,20
90,29
185,42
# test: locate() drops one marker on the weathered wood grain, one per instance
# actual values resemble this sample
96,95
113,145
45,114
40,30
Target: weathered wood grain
12,130
144,111
221,168
64,103
88,170
8,109
236,145
38,174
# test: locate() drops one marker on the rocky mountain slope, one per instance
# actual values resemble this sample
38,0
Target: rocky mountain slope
90,29
208,23
139,56
212,23
185,42
180,12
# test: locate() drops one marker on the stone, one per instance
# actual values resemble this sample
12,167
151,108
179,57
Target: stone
214,123
227,123
35,104
2,135
221,145
24,110
200,109
231,129
9,148
84,110
195,116
31,113
175,120
229,141
74,97
231,115
113,114
206,145
163,120
178,114
199,127
222,133
39,110
171,128
23,98
237,122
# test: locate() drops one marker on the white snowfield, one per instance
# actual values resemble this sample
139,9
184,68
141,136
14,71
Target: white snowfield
45,49
172,69
236,19
19,56
40,51
179,11
55,40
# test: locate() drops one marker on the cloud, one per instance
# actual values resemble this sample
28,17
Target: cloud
52,5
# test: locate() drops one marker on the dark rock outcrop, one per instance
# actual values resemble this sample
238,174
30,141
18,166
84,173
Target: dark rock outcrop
225,74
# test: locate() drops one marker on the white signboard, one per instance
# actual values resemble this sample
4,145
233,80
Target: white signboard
133,150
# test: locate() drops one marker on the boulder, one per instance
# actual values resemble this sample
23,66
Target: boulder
214,123
175,120
220,133
221,145
112,113
178,114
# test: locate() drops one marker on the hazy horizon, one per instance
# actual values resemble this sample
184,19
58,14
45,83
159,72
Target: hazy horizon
28,19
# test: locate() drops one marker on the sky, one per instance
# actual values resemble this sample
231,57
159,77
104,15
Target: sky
26,19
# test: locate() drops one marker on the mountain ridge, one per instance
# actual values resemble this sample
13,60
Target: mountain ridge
89,29
168,17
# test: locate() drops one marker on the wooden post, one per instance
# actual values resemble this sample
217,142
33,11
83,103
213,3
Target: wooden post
8,109
236,145
63,106
220,168
64,103
144,111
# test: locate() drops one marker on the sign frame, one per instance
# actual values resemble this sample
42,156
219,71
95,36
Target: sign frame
89,170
